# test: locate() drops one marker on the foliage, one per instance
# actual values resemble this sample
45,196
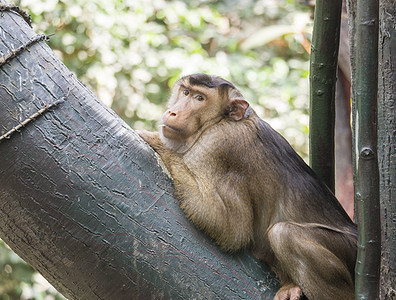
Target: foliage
131,52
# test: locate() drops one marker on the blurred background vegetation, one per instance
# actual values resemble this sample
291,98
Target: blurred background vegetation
131,52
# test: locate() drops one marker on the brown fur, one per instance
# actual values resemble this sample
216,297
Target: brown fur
241,182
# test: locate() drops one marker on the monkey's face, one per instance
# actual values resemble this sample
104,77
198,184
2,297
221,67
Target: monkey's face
190,107
197,102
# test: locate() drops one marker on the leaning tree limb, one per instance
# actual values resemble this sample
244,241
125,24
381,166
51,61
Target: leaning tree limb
85,201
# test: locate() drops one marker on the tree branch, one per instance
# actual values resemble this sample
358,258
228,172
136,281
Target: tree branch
84,200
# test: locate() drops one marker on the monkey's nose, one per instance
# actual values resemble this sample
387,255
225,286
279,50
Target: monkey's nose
171,113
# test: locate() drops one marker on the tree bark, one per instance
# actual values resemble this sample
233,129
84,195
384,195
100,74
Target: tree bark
386,145
85,201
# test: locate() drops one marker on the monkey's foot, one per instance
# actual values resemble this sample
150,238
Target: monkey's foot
289,292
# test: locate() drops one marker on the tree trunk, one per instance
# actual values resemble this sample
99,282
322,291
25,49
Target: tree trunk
386,145
85,201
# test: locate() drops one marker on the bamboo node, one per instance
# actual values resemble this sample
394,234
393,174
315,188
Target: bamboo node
367,153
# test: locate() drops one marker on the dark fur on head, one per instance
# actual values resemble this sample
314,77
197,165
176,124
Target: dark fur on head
225,87
209,81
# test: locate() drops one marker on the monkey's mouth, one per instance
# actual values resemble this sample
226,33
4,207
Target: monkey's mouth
171,131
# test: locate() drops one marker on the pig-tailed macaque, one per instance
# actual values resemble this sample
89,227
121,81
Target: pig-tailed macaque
239,181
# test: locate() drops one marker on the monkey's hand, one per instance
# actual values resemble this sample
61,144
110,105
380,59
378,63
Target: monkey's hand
169,158
151,138
289,292
148,136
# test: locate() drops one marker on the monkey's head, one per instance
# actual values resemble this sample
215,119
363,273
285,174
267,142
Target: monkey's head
197,102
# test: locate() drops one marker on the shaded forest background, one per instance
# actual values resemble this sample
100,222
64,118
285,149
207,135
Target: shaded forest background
129,53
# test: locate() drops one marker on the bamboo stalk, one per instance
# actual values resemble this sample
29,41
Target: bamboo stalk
324,56
367,173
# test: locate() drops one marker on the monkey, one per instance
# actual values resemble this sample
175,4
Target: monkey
241,182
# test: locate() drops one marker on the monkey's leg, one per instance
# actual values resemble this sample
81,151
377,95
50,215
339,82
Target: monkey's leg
305,258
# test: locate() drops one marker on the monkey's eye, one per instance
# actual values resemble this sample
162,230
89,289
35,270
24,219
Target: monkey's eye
199,98
186,92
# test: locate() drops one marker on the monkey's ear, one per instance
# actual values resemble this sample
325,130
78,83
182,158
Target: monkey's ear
237,109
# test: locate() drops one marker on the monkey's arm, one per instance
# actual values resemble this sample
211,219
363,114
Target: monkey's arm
213,208
208,203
